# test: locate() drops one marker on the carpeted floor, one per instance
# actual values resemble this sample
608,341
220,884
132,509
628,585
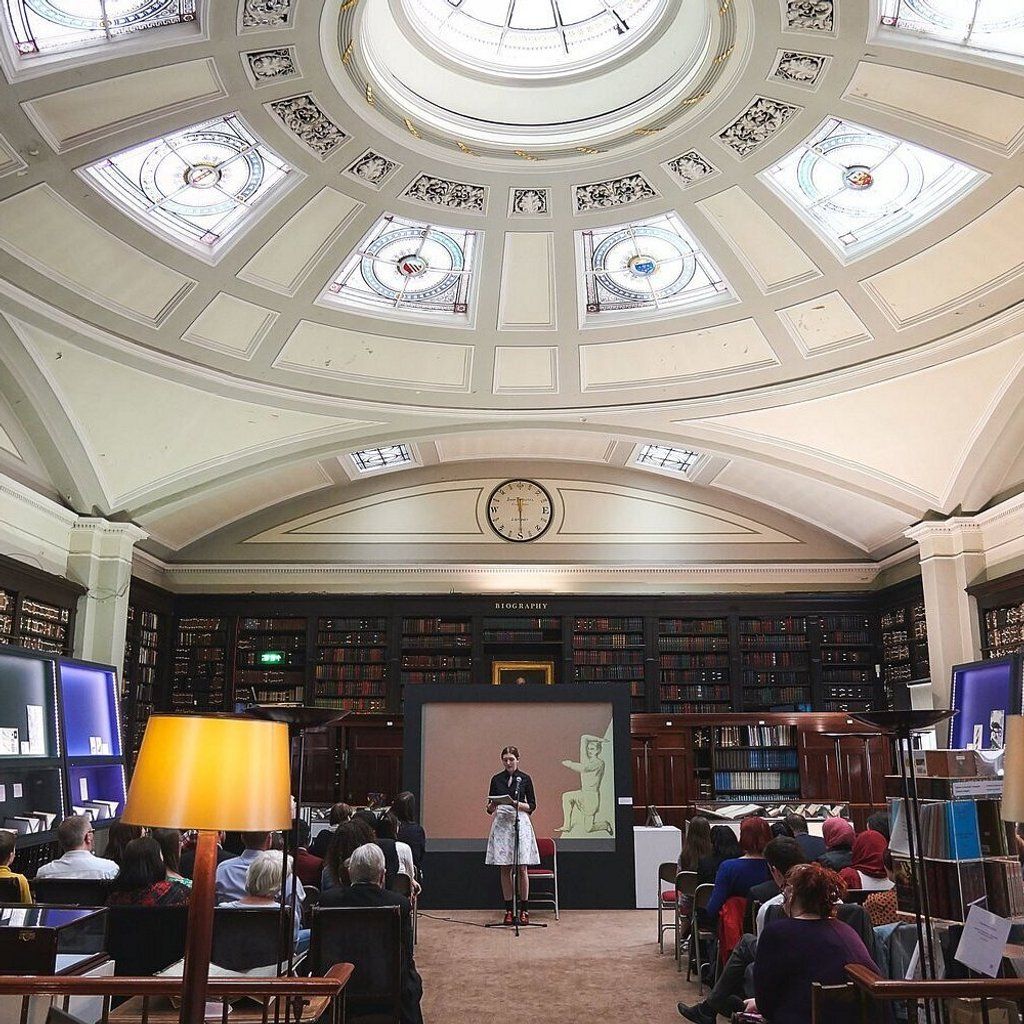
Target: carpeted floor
592,965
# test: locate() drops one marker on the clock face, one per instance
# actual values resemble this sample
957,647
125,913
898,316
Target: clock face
519,510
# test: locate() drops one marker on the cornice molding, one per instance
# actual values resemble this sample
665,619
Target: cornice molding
10,488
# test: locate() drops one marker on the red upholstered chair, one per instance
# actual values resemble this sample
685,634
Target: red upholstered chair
546,871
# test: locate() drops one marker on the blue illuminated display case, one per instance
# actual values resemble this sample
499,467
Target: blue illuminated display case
60,743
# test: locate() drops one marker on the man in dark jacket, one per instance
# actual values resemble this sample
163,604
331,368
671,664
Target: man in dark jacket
813,846
366,872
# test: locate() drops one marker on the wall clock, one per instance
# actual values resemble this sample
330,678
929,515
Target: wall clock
519,510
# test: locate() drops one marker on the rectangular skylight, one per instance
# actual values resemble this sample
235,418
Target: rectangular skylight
384,457
660,456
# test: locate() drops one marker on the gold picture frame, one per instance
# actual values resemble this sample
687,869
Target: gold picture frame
520,673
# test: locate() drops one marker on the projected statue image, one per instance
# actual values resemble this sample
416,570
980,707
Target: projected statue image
588,810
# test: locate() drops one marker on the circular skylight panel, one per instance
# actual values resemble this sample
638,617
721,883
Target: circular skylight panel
995,25
533,36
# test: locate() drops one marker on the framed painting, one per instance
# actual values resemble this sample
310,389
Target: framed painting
522,673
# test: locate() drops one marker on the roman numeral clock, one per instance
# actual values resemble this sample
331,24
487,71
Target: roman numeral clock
519,510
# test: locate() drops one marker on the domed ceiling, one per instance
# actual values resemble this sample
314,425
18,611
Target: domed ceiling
752,262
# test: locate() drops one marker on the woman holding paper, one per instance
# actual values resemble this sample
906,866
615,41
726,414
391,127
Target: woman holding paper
518,801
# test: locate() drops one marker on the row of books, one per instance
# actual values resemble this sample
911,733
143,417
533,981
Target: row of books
352,689
354,655
841,656
694,675
768,758
720,693
847,636
436,643
435,661
851,675
690,708
767,696
363,704
437,677
775,659
608,657
691,627
781,624
955,886
757,736
595,673
355,639
420,626
773,677
606,641
604,625
693,643
350,671
523,622
951,829
757,781
795,642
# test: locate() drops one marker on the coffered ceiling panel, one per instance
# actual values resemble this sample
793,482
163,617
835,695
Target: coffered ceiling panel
145,432
232,325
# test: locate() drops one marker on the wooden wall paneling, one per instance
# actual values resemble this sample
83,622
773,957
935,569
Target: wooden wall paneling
322,764
371,760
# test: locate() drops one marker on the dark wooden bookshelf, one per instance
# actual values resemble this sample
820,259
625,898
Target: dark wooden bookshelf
37,609
775,658
351,670
611,649
849,654
903,629
694,666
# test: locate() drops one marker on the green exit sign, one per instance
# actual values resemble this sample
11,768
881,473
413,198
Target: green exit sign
271,657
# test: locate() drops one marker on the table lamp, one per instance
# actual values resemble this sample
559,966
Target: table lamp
209,773
1012,808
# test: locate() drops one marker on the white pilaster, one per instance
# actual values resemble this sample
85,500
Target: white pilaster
100,558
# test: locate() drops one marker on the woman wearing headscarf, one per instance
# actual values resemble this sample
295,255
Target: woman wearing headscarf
838,835
867,867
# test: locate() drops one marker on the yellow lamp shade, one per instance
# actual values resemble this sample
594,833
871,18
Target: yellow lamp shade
1013,770
211,772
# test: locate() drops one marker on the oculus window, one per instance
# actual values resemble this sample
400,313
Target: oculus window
859,188
992,26
646,268
198,186
407,266
49,26
533,36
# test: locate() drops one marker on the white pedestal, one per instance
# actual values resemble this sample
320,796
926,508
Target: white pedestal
653,847
86,1008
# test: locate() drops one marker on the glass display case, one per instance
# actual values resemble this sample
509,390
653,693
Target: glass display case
31,799
28,720
88,697
51,940
97,790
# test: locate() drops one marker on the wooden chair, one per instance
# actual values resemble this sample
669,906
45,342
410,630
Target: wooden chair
546,871
145,940
246,938
666,900
10,890
822,995
71,892
702,936
370,938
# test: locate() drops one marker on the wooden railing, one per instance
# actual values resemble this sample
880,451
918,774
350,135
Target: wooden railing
279,999
885,990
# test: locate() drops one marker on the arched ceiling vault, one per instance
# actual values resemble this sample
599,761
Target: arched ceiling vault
836,386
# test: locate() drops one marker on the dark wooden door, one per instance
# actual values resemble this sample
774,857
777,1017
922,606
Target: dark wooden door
322,766
371,763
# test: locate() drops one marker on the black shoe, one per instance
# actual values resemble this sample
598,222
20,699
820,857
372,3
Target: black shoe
699,1013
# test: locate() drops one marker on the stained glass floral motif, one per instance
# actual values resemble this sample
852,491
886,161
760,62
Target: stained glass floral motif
197,185
410,266
996,26
649,267
859,188
382,458
661,456
533,35
44,26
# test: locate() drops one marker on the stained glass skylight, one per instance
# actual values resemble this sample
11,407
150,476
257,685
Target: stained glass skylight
45,26
408,266
649,267
386,457
996,26
859,188
198,185
661,456
537,36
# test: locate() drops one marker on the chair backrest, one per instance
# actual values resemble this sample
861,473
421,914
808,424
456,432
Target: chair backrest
824,997
545,847
702,894
244,938
686,883
83,892
10,890
857,895
667,872
144,940
370,938
403,885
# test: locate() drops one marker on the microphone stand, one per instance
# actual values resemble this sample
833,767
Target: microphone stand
515,869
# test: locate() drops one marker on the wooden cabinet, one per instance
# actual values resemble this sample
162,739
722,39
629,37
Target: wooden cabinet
371,761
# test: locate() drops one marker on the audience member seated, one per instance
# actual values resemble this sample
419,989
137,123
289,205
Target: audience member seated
731,988
387,845
387,828
737,875
867,870
806,946
171,843
339,813
410,831
75,838
119,835
882,905
143,881
838,835
780,855
724,846
7,840
188,854
348,837
813,846
366,871
879,822
231,874
696,846
307,866
263,889
781,830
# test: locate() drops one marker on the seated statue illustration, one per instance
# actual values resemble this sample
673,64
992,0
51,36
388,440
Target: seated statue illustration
582,809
